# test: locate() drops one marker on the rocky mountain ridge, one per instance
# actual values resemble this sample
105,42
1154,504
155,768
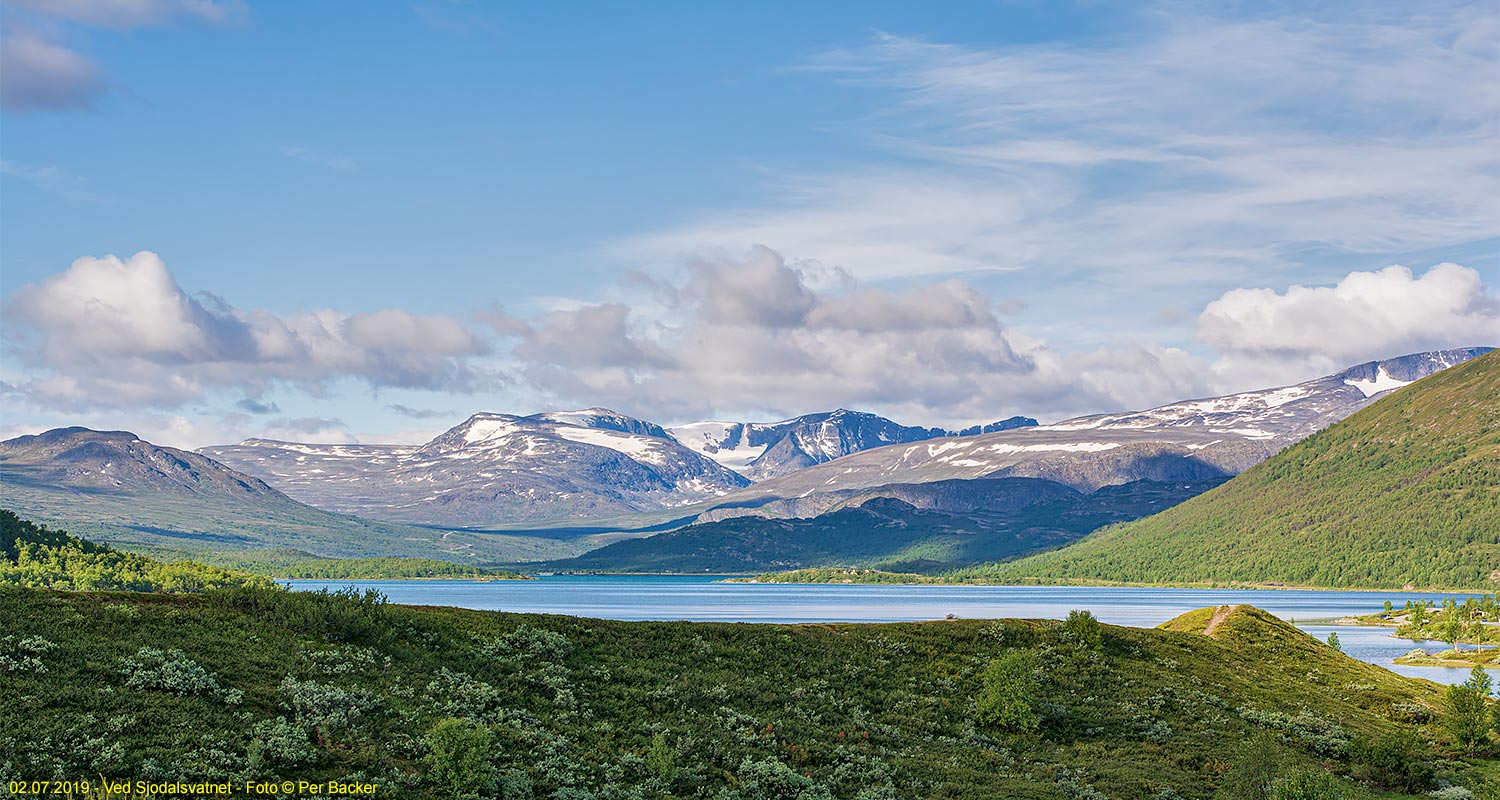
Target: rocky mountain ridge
123,489
1191,440
762,450
495,469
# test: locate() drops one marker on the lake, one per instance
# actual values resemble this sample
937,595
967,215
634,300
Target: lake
704,598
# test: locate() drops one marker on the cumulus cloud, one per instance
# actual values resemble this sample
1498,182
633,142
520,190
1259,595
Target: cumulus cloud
1365,316
750,334
107,332
41,75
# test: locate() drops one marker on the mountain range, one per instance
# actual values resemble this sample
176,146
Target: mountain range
121,489
571,481
495,469
598,468
1405,493
1192,440
762,450
558,467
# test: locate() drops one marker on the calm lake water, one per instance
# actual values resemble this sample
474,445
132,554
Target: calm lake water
702,598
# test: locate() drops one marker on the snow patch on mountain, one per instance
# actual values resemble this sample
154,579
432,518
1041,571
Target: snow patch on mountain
1383,382
639,448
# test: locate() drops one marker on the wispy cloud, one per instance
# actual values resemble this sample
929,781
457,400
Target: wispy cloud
55,180
310,156
1195,154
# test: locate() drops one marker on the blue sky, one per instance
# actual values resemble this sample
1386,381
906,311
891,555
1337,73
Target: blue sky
368,225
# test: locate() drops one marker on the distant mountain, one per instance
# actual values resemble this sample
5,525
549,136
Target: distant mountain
496,469
1403,493
1193,440
896,530
121,489
762,450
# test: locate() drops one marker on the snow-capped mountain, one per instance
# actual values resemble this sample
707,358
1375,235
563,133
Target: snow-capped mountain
1191,440
495,469
762,450
121,488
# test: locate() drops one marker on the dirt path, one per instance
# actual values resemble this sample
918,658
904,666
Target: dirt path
1220,614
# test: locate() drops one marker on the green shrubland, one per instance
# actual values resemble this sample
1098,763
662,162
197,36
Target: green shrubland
251,680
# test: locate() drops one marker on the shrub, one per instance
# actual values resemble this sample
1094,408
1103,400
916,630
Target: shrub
458,759
1081,629
1465,711
1005,699
1397,760
25,655
279,742
769,779
1311,784
661,760
323,706
170,671
527,643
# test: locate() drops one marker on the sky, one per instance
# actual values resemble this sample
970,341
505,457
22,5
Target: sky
323,222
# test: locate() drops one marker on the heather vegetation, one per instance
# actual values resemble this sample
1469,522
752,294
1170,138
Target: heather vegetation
441,703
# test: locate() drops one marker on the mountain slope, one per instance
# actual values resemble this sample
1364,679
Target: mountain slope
1405,492
1192,440
118,488
762,450
495,469
895,529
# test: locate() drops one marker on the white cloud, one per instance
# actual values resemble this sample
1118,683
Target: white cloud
113,333
1365,316
750,335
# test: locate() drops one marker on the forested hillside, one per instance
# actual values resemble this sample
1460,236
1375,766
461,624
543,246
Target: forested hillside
889,533
1404,492
36,556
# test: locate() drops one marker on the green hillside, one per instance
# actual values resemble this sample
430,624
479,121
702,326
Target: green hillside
435,703
1404,493
250,682
890,534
